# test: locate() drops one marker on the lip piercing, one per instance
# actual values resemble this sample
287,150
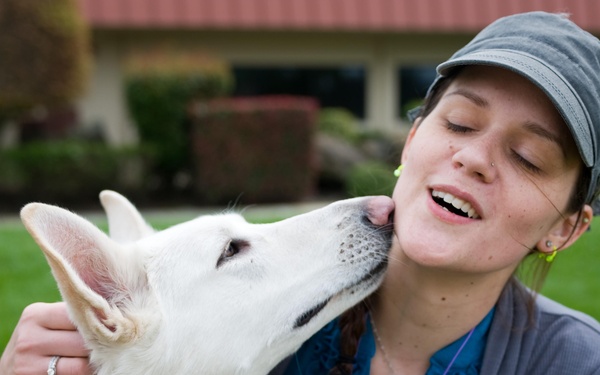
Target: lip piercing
492,164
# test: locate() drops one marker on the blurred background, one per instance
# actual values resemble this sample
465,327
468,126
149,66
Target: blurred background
196,103
202,102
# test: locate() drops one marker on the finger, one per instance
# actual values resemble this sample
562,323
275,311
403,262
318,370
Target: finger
47,315
64,366
32,338
73,366
55,316
63,343
45,343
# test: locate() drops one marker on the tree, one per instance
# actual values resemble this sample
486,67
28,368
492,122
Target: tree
44,55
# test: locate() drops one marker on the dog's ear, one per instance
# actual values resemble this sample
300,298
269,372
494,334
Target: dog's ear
95,275
125,223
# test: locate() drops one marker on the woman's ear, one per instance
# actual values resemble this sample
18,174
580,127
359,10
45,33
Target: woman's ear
566,231
409,138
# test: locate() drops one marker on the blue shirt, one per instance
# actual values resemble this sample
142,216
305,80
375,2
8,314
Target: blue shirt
320,353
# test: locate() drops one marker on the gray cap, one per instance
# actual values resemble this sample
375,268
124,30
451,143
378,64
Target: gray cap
556,55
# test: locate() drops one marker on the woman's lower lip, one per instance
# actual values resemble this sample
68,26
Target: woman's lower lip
444,215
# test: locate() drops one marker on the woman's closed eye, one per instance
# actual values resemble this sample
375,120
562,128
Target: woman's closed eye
455,128
522,161
525,163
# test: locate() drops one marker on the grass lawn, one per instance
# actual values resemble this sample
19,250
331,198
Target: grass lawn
25,276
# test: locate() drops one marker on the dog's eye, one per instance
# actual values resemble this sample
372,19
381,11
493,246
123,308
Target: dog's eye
232,248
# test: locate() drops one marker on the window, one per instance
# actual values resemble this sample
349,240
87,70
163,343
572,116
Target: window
331,86
413,82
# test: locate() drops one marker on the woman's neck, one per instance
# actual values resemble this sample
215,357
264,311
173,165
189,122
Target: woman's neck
418,311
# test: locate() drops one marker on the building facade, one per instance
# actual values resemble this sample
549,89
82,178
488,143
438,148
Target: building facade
384,50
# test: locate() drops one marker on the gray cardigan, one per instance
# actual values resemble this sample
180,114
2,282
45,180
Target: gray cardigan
550,340
544,339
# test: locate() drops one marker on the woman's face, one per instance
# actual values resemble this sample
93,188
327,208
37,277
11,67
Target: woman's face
496,146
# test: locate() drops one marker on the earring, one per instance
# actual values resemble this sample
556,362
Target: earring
549,257
398,170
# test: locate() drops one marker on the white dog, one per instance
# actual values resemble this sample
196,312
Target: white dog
215,295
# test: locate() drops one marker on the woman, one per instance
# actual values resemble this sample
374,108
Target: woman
509,134
501,165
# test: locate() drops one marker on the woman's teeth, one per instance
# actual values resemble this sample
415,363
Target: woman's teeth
457,203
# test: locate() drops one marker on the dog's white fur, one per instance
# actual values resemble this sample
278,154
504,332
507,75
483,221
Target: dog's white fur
215,295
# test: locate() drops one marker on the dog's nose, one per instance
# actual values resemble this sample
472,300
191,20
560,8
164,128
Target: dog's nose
379,210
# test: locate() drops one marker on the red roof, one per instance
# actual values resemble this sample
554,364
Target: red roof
326,15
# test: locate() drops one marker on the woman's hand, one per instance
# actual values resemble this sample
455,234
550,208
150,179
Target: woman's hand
44,331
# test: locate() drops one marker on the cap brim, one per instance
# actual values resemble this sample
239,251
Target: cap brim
560,92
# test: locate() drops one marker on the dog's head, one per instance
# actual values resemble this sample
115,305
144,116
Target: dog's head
212,295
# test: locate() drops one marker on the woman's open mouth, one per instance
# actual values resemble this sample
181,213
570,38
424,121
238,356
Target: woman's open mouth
455,205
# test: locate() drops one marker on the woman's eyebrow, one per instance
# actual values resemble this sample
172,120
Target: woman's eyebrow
544,133
478,100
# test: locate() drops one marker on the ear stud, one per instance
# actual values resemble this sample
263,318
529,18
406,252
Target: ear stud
398,170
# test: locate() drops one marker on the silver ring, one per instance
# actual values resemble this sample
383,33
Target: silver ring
52,365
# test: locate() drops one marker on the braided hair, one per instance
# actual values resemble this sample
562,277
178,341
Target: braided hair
352,325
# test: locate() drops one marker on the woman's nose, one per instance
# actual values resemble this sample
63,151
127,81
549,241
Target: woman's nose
477,159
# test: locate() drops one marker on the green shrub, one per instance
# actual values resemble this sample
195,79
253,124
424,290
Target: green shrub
69,171
160,87
340,123
371,178
45,54
258,149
